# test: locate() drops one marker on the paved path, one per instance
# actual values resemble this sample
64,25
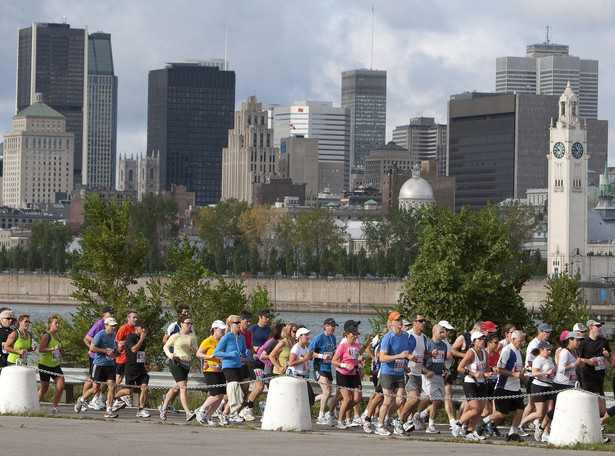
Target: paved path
151,437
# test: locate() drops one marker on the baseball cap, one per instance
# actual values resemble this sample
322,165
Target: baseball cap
544,344
579,327
110,321
301,332
330,322
395,316
489,326
574,335
405,322
564,334
141,324
218,324
348,324
476,335
108,309
594,323
245,315
544,327
264,313
353,330
446,325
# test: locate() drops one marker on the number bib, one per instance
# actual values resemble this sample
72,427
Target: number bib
439,358
400,365
419,359
3,350
599,364
141,356
55,356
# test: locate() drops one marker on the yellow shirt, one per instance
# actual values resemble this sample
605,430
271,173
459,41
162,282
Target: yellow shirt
184,346
213,364
283,358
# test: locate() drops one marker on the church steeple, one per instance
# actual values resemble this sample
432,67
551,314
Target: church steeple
568,108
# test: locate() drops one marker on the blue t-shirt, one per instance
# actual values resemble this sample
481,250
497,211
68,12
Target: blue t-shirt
394,345
104,340
230,349
259,334
326,345
436,364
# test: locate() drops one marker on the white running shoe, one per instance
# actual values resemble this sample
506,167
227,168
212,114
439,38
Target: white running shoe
247,414
163,413
432,430
357,421
142,413
522,432
398,428
79,405
341,425
367,426
418,421
456,431
545,437
190,416
223,419
127,400
381,430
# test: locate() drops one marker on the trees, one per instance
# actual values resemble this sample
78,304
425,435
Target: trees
466,270
257,227
47,246
564,306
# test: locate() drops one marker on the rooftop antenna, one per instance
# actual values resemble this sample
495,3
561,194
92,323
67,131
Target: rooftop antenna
225,47
372,64
63,19
548,35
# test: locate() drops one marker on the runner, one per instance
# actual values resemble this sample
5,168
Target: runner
49,362
98,401
136,365
212,371
433,375
323,347
346,359
123,398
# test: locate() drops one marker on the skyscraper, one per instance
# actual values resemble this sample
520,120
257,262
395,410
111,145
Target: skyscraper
424,139
99,166
364,93
546,69
51,59
328,124
189,113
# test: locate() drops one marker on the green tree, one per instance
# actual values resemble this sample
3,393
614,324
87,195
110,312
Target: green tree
563,305
47,246
465,270
155,219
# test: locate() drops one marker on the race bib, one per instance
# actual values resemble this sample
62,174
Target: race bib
141,356
419,359
572,376
185,364
24,356
439,358
400,365
599,364
353,353
330,355
3,350
480,366
55,356
517,368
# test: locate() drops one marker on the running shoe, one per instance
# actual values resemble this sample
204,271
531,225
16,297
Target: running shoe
163,413
235,418
357,421
127,400
322,419
101,402
418,421
388,424
489,429
336,412
54,411
432,430
351,423
247,413
190,416
398,428
330,419
481,426
473,436
456,431
223,419
545,437
522,432
79,405
110,414
142,413
497,432
381,430
367,426
408,428
118,405
538,434
94,405
341,425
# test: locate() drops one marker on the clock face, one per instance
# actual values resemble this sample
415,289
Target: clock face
577,150
559,149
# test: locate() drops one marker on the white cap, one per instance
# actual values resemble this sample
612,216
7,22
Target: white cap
446,325
111,321
218,324
476,335
301,332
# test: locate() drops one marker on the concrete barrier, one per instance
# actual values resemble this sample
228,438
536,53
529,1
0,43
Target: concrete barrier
18,390
576,419
288,406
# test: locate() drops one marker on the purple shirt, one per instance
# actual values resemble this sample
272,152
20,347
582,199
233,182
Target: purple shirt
95,329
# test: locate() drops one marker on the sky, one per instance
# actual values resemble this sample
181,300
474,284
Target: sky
285,51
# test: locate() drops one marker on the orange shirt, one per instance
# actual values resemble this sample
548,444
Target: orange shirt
121,336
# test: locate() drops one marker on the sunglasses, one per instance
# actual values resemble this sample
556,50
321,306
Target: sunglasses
422,320
236,322
187,322
26,321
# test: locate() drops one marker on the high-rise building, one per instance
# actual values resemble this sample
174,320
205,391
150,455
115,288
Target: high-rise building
331,126
546,69
383,158
189,113
52,60
38,156
364,93
250,157
424,139
298,160
99,166
496,145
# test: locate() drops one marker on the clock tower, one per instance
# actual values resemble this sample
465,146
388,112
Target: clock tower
567,200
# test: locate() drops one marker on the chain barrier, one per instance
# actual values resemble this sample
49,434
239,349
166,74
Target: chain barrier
201,387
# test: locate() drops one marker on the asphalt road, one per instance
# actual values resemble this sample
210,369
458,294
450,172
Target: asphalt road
88,434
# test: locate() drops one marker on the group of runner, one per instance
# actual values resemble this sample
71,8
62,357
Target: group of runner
412,374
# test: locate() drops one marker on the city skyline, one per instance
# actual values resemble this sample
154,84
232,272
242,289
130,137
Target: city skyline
430,51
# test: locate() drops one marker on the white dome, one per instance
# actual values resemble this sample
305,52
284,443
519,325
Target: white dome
415,192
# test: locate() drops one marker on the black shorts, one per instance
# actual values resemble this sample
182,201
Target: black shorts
347,381
120,368
542,389
392,382
593,385
474,390
245,373
103,373
215,378
46,377
325,374
179,372
233,374
508,404
528,385
138,380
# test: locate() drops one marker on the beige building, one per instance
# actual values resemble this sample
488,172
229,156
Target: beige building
379,161
250,157
38,157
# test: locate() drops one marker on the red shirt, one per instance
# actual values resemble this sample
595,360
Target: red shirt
121,336
248,337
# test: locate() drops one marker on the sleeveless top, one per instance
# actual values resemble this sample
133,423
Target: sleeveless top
18,345
51,358
477,365
283,357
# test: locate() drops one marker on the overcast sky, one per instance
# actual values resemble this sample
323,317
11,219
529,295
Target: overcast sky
284,51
